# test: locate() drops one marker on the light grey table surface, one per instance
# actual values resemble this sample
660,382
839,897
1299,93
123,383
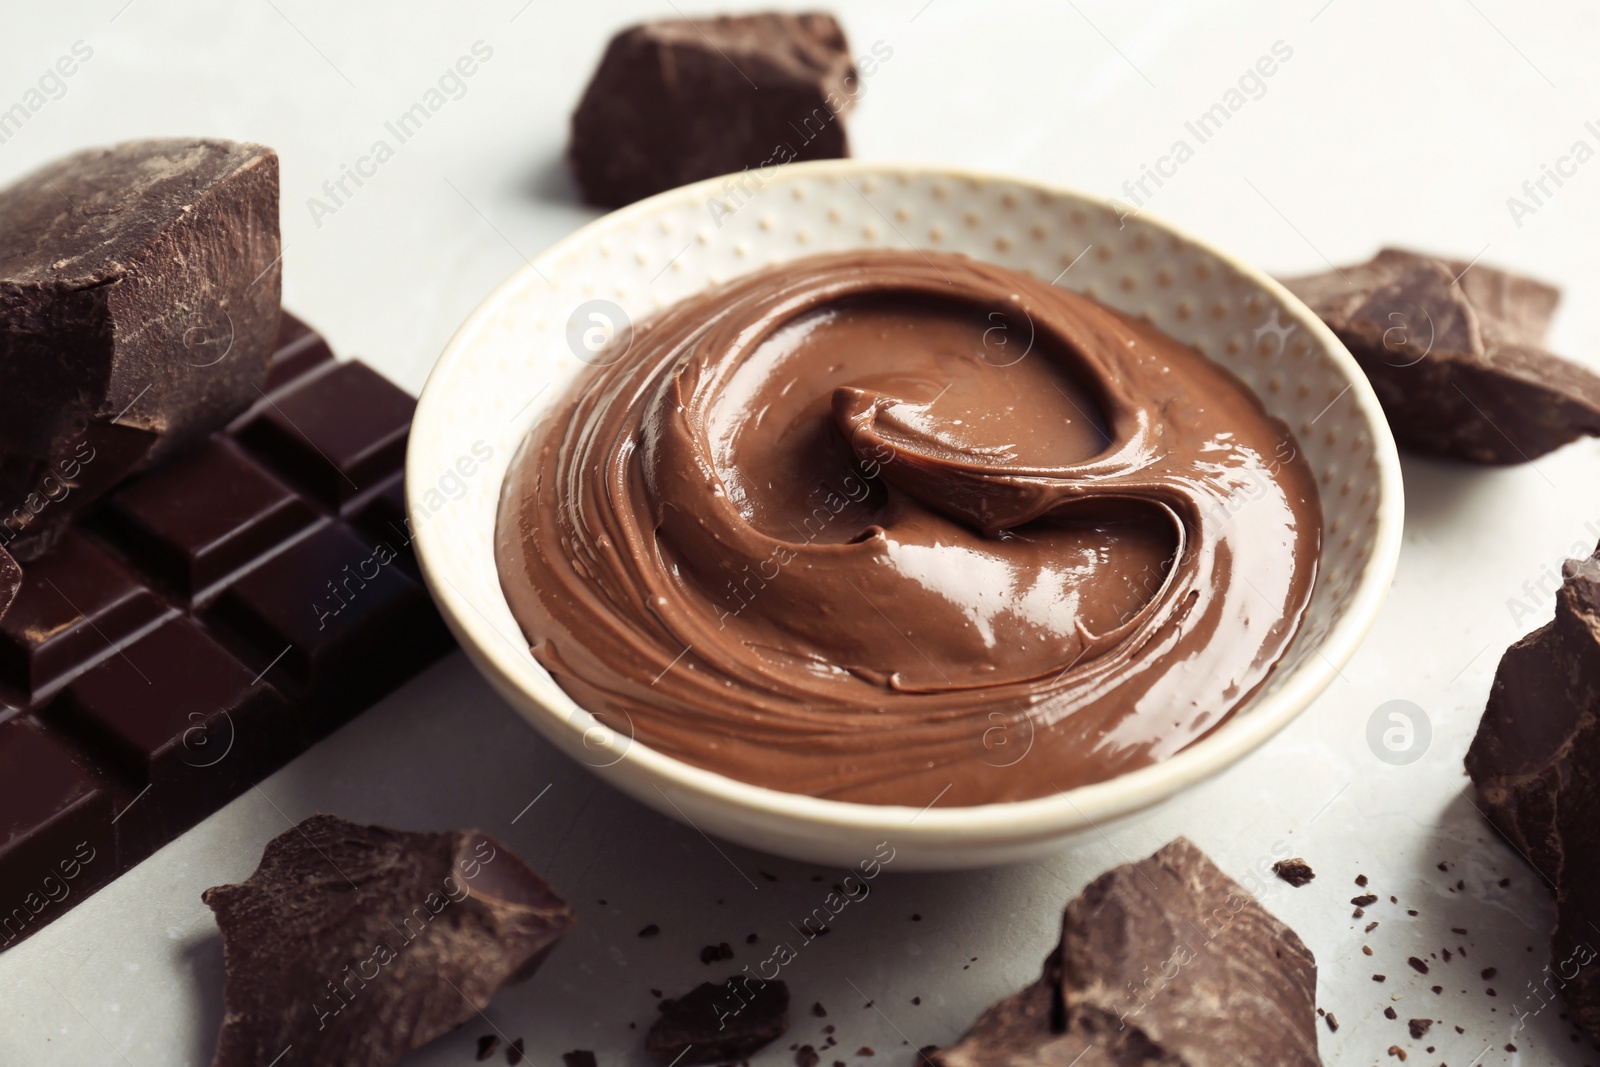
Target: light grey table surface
1409,123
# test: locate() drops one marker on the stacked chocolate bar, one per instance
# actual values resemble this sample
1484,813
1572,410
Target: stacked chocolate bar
207,507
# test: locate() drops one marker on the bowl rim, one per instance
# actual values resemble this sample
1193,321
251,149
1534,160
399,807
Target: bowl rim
1058,814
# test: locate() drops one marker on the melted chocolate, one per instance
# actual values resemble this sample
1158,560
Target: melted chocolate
875,526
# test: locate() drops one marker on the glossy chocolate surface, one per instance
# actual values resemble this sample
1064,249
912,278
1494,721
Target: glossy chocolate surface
886,526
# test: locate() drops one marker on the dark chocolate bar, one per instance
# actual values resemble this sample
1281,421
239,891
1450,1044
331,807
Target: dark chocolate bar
201,625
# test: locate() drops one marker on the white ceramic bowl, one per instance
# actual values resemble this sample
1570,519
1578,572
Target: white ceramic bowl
520,349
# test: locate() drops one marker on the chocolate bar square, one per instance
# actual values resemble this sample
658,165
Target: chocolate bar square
206,516
337,435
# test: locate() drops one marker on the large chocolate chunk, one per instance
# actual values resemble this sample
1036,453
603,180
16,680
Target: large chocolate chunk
684,99
720,1023
1536,764
139,290
1166,961
1455,353
352,944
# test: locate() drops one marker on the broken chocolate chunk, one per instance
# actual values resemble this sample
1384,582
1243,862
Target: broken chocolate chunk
139,291
1165,961
1419,1028
1455,353
1297,872
579,1057
679,100
1534,763
720,1023
354,944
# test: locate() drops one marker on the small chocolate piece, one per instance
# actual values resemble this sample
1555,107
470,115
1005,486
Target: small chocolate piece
487,1044
139,290
579,1058
1455,353
1365,900
720,1023
683,99
514,1052
1166,961
1534,763
716,953
1297,872
354,944
1419,1028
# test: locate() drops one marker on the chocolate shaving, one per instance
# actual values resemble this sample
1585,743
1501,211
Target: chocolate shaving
354,944
1455,353
1534,762
1166,961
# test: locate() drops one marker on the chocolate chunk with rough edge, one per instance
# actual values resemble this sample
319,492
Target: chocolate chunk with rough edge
1166,961
679,100
1455,353
720,1023
1297,872
1536,764
354,944
139,289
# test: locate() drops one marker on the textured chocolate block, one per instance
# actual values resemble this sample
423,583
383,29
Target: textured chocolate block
139,290
1165,961
190,633
684,99
1536,764
1455,352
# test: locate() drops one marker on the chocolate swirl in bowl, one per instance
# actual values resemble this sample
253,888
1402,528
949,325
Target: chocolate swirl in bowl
875,526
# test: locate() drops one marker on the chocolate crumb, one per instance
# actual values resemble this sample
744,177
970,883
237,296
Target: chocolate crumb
820,1012
1361,880
1462,930
806,1056
1491,992
656,993
1358,913
1397,1052
916,1000
1333,1023
865,1050
579,1057
1389,1013
1504,882
714,953
1438,989
1488,973
768,876
1364,900
1297,872
1366,950
751,939
487,1044
1371,926
1419,1027
1446,955
514,1052
1417,965
915,917
650,931
1380,978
